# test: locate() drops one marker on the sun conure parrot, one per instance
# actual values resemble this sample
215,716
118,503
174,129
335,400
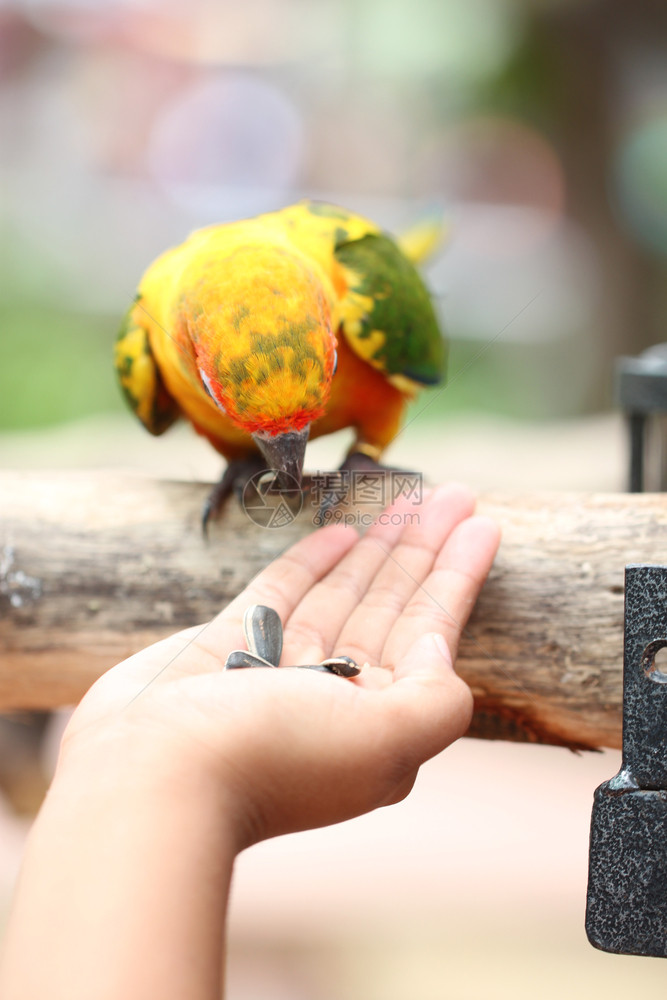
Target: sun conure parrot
269,331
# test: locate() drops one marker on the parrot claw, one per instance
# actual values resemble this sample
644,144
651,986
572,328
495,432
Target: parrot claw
234,480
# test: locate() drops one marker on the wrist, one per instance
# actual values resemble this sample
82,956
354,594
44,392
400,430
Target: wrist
118,827
117,769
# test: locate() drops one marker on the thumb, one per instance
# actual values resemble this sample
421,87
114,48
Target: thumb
428,658
433,702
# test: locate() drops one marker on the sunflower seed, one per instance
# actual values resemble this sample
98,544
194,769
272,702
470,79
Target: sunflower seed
263,632
242,658
344,666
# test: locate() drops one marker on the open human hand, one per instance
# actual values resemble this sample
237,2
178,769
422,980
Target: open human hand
297,748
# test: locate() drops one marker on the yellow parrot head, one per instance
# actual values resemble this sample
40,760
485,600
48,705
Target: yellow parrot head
265,348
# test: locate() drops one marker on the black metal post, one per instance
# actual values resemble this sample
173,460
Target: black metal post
637,425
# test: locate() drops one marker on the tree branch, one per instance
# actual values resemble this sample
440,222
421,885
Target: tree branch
95,566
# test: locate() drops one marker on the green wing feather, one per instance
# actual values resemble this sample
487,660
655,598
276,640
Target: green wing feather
387,314
140,377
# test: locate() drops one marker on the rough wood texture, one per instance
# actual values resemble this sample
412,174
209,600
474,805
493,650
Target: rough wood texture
92,567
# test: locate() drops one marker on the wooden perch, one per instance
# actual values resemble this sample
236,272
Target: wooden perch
95,566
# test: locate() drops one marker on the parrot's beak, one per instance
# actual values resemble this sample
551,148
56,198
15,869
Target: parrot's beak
285,454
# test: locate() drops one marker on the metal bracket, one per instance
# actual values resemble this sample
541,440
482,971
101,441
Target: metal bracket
640,389
627,881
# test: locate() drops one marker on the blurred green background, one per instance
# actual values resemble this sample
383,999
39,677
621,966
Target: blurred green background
538,130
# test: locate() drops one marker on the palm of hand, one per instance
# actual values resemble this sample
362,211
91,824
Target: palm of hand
298,748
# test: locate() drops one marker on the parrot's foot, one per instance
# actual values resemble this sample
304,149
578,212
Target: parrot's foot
234,480
360,479
359,461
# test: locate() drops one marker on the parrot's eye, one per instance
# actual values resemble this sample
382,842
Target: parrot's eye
206,382
335,364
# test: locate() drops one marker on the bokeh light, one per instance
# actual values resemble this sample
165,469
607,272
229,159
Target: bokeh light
464,40
640,181
496,161
225,145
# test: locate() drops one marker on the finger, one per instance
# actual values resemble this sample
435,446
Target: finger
204,648
282,585
445,599
316,622
403,570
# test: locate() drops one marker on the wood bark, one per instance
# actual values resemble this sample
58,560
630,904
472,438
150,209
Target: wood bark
95,566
